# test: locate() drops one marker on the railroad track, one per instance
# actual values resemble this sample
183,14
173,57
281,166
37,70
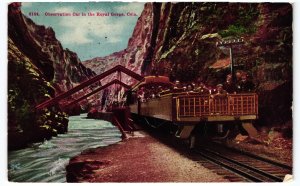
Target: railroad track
242,166
234,165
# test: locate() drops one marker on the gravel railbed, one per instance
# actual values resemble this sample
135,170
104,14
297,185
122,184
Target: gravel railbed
141,158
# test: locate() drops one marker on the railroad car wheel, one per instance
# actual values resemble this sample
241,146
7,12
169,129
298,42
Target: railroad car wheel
222,133
230,131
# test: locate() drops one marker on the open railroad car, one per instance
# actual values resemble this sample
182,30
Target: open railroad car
190,109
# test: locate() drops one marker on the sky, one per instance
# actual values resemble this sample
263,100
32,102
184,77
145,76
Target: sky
88,36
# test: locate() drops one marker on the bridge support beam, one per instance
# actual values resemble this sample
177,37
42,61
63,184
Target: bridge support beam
251,130
86,83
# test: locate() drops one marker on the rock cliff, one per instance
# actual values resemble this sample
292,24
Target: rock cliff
179,40
38,69
62,67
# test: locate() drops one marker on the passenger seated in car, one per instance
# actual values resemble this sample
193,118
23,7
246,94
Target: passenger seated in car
220,92
229,86
202,89
245,85
178,87
190,88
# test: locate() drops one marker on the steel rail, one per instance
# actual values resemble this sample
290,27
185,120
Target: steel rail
230,167
275,178
284,166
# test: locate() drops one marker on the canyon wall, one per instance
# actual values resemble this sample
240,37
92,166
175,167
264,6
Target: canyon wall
38,69
179,40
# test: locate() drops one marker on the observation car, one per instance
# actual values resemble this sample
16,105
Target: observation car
190,109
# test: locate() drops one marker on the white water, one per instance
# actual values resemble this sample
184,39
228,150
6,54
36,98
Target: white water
46,162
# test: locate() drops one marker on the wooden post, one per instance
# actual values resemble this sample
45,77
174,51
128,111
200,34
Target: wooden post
124,136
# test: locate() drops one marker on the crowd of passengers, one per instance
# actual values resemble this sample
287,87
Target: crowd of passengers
241,84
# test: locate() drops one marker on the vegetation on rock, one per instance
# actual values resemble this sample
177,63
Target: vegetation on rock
187,49
27,88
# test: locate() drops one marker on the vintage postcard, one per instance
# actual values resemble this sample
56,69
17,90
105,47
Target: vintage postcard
150,92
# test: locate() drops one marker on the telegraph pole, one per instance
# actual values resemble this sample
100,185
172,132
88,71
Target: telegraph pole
229,43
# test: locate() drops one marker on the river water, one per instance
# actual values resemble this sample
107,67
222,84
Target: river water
46,162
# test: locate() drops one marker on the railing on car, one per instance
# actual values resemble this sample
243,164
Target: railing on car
219,105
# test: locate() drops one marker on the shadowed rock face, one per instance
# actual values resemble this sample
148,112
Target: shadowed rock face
62,67
38,69
179,40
